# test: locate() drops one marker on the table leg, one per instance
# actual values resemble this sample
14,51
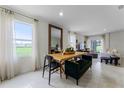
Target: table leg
111,61
60,71
106,61
61,68
116,62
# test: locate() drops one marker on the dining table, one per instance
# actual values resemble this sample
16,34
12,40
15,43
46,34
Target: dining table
61,57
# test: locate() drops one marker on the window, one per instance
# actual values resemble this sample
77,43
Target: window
96,45
23,38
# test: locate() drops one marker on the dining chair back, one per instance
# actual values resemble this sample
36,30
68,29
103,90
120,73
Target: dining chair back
52,64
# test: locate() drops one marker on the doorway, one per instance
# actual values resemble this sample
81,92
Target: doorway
97,46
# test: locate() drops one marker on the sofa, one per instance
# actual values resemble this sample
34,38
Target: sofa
77,68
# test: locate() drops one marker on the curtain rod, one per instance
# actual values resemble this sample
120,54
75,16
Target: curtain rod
20,14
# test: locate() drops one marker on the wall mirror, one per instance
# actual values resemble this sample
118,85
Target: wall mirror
55,39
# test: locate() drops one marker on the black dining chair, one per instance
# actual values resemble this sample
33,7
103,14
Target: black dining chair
52,64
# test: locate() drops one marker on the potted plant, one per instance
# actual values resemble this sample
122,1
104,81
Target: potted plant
69,50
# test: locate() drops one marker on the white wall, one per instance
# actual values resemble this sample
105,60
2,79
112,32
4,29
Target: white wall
116,42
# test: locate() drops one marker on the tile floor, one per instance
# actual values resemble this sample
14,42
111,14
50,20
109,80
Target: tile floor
100,76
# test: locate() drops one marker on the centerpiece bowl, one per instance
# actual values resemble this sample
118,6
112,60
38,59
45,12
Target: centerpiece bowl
69,50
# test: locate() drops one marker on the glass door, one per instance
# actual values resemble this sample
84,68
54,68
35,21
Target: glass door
97,46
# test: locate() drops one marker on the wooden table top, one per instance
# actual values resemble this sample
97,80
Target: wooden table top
61,57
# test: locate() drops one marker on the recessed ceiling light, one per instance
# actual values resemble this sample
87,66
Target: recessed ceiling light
104,29
61,14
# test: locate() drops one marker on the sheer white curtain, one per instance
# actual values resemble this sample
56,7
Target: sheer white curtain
35,45
72,39
28,63
6,45
10,64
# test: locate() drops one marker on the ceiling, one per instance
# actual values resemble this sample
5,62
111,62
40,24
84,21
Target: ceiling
83,19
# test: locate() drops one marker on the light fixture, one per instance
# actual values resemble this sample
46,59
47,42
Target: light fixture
61,13
104,29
